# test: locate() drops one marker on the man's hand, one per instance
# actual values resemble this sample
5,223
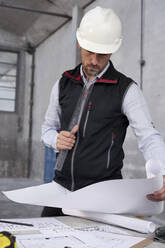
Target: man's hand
66,139
158,195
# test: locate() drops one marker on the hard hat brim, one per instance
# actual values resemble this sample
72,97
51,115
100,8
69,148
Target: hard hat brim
97,48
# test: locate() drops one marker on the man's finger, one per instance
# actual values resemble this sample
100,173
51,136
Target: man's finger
156,198
64,147
75,129
67,134
65,143
66,139
158,192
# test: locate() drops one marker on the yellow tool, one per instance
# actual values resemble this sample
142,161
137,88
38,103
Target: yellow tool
7,240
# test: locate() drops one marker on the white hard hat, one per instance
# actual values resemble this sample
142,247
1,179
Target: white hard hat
100,31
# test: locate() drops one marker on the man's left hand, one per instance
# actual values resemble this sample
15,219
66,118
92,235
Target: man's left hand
158,195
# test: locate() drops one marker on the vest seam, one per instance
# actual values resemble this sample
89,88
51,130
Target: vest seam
126,90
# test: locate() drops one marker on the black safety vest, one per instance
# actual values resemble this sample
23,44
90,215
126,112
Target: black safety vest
98,154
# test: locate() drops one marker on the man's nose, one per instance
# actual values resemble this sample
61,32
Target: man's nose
94,59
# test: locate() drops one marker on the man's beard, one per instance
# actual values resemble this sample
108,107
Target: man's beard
91,70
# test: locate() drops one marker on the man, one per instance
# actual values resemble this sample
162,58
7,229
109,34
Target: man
91,107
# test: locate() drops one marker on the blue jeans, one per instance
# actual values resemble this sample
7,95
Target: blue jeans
50,159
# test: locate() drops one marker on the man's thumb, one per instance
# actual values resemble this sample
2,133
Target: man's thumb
75,129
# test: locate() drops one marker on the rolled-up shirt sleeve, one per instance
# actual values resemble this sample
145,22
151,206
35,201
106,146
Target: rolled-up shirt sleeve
52,123
149,140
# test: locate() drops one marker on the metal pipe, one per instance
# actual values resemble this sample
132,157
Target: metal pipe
37,11
142,61
31,114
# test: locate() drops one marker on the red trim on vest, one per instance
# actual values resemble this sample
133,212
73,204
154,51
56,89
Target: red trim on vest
76,78
107,80
113,136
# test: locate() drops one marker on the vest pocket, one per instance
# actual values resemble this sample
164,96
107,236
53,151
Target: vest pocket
86,118
109,151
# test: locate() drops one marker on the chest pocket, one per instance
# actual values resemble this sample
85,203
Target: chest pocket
109,151
68,102
89,108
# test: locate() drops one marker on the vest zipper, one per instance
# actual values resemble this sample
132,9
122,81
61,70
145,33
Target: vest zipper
72,162
86,119
109,152
86,95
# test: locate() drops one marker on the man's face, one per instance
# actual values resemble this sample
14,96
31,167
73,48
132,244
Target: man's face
93,63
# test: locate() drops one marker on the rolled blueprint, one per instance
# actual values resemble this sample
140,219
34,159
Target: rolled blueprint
132,223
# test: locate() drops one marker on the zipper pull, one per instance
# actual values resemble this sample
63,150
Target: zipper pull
113,136
89,106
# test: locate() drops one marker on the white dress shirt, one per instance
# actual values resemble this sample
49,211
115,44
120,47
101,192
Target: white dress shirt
150,142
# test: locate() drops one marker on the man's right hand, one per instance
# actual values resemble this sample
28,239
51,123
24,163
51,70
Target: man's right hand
66,139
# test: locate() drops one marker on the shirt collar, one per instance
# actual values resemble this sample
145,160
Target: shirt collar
96,78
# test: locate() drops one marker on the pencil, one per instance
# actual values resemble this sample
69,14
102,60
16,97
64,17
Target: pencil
15,223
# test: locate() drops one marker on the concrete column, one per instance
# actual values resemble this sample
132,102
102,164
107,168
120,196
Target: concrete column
77,14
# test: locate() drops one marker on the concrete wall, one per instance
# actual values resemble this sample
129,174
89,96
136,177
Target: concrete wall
154,73
58,54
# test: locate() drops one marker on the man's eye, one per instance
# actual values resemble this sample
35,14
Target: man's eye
103,55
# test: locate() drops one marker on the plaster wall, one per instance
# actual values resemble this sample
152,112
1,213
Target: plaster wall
154,72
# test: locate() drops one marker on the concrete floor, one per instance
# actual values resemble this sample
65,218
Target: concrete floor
9,209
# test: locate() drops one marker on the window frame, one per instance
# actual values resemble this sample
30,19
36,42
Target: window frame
17,52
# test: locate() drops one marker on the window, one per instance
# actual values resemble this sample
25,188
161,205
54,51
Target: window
8,74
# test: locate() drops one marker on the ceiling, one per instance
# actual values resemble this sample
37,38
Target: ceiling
32,21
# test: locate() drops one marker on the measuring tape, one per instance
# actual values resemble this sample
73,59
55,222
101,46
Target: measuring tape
7,240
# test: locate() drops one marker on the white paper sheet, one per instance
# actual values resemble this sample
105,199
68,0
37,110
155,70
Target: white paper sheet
80,240
99,227
109,240
54,234
16,228
132,223
60,241
46,226
125,196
